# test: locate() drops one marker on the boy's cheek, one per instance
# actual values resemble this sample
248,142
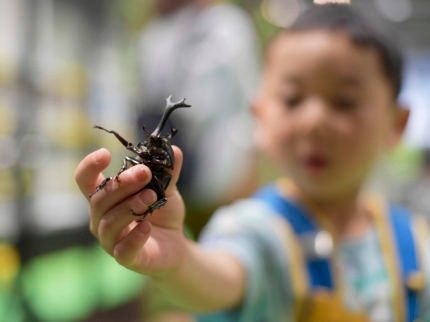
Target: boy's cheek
361,155
259,139
279,153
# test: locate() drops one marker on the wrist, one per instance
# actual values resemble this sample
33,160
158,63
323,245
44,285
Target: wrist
199,271
176,272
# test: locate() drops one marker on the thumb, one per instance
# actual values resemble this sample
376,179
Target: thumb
176,170
88,173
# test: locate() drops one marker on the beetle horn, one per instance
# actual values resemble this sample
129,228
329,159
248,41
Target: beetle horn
170,107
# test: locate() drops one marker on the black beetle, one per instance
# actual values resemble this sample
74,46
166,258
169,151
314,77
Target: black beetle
155,152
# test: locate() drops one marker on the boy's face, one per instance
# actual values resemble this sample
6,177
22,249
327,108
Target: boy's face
326,111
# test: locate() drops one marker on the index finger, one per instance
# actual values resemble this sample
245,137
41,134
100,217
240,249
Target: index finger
88,174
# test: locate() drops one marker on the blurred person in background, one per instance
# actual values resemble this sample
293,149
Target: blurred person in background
207,52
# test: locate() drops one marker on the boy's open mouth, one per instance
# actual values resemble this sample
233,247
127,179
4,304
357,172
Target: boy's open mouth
315,162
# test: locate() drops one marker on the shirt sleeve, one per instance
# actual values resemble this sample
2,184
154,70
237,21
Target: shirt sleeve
245,231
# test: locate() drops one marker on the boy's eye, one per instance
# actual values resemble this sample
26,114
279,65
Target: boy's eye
345,103
292,100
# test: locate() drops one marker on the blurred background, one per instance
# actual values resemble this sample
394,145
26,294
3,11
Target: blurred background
66,65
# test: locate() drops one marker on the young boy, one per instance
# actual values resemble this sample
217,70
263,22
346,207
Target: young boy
312,247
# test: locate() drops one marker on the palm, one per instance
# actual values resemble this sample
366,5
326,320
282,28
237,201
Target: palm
162,252
164,248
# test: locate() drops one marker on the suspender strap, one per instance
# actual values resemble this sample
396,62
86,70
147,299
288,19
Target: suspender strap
319,269
407,253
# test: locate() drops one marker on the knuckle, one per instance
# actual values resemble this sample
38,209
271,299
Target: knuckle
147,197
104,240
93,229
123,255
136,205
96,201
100,199
111,187
105,225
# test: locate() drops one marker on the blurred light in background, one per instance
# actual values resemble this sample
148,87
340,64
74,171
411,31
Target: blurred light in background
396,11
280,13
416,96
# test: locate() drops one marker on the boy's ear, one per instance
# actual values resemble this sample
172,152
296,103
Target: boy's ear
400,121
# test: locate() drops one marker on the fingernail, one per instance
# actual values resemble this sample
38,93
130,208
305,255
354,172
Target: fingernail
139,169
147,196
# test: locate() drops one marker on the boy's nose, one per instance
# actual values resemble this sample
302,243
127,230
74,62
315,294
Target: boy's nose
315,115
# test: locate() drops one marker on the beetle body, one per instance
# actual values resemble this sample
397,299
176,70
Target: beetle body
155,152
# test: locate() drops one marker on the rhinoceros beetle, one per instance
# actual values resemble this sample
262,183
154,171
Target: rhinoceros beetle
155,152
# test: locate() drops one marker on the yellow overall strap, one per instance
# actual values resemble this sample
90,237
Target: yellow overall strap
421,233
379,211
323,302
296,262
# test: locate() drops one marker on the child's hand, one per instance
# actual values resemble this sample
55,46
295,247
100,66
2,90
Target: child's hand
154,246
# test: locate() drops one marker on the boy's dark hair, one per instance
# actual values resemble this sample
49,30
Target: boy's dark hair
341,17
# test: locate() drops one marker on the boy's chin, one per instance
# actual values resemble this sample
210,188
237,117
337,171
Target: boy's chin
326,192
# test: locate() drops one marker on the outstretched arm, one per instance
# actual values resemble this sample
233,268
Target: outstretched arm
196,279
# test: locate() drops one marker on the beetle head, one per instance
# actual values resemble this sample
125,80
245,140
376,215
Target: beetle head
170,107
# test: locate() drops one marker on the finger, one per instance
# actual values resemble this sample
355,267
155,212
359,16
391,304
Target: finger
130,248
176,170
88,173
113,225
120,215
130,182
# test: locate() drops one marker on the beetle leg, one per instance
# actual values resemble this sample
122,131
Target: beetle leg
125,163
158,204
157,186
124,167
101,186
128,145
